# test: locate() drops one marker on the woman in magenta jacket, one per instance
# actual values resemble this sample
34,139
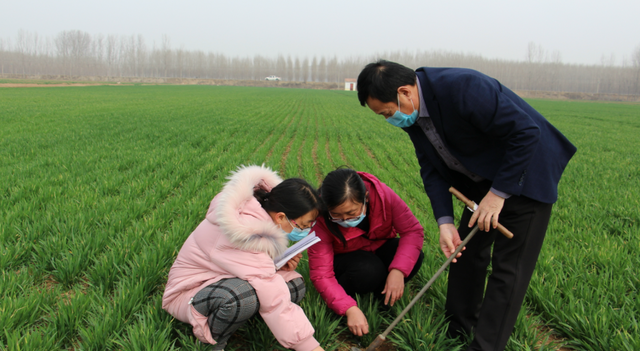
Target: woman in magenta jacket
360,251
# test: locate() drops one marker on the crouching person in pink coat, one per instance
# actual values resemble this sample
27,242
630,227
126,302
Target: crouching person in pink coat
371,243
224,273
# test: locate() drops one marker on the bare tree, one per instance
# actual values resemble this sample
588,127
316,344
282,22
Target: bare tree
635,60
260,67
22,47
30,47
199,60
97,53
73,47
111,54
605,81
297,74
554,74
63,45
180,61
128,47
166,54
322,70
223,66
314,70
534,57
333,70
140,56
535,53
304,70
80,48
289,75
281,66
4,54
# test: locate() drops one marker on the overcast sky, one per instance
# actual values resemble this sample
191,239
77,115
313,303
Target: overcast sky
582,31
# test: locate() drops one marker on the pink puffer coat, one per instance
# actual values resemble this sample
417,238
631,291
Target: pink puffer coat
239,239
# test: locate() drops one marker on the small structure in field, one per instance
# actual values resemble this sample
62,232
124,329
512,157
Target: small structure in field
350,84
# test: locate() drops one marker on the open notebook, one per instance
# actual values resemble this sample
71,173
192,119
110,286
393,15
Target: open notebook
295,249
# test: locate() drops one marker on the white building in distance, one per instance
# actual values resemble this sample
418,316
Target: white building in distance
350,84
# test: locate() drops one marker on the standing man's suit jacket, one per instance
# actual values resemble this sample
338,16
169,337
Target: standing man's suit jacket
492,132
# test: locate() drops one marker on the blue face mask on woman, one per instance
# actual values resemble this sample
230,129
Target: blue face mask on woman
296,234
403,120
350,223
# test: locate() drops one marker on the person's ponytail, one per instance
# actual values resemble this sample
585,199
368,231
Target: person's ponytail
261,195
293,196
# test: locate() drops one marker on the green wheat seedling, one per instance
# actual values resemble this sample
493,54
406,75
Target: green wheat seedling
67,316
27,339
529,335
100,186
151,331
422,328
377,317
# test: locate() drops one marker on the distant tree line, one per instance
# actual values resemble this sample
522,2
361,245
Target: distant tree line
77,53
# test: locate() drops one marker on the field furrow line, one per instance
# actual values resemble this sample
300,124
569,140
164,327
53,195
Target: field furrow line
318,170
293,135
282,135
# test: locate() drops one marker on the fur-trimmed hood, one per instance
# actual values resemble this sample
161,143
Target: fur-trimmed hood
241,217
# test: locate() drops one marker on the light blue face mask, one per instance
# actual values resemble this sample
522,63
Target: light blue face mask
403,120
296,233
350,223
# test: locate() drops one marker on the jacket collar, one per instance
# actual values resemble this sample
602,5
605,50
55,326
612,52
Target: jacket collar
429,99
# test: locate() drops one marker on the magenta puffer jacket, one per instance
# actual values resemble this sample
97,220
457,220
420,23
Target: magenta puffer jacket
239,239
388,216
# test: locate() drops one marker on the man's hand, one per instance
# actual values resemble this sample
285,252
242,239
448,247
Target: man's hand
449,240
394,288
356,321
292,263
487,212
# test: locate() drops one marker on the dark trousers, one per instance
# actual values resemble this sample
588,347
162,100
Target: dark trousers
491,313
229,303
362,272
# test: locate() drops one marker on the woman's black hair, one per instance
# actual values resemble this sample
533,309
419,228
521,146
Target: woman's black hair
337,187
294,196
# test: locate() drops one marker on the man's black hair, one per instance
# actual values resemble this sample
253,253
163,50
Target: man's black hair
381,80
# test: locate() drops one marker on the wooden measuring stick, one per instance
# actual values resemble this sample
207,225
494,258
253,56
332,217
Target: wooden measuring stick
472,205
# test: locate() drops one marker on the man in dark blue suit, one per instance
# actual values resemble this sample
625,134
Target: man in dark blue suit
473,133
